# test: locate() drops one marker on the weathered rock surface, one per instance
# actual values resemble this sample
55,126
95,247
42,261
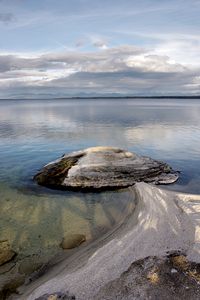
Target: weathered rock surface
104,168
152,278
6,253
57,296
71,241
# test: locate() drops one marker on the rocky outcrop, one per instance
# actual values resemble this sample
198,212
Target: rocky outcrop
103,168
155,278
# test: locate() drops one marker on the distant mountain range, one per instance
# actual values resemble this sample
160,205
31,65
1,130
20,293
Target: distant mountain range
48,97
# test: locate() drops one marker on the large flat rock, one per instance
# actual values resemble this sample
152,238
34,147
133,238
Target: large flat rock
103,168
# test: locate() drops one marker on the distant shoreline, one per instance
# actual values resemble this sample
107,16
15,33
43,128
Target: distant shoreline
104,97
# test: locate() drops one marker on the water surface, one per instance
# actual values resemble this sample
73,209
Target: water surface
34,219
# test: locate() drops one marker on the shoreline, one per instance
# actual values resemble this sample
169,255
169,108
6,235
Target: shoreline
162,222
89,97
35,262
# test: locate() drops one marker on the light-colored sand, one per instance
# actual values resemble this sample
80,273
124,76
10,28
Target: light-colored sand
162,222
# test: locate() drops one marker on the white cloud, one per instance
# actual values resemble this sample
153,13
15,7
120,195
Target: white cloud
180,47
156,63
182,51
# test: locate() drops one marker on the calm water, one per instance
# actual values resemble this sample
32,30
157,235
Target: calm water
32,133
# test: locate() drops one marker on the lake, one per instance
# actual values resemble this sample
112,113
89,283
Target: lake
34,132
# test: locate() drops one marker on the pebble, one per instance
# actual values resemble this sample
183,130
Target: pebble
174,271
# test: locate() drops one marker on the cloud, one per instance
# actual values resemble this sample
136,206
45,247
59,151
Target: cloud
185,49
99,43
126,70
80,43
153,62
6,18
109,59
182,47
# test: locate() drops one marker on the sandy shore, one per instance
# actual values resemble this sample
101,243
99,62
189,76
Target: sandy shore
163,222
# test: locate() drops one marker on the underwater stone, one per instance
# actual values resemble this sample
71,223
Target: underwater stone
6,253
72,241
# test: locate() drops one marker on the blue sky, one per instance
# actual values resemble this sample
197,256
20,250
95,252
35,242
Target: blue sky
108,47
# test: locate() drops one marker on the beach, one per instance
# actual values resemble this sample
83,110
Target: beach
162,223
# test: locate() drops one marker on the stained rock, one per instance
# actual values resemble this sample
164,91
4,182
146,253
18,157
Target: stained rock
6,253
57,296
71,241
101,168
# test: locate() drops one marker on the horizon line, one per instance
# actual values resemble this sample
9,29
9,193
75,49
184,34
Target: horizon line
107,97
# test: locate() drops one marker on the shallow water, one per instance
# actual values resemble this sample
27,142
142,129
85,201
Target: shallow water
35,219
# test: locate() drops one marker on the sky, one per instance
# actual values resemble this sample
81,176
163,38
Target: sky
64,48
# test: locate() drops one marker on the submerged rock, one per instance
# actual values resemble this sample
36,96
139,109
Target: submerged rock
72,241
29,266
6,253
103,168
